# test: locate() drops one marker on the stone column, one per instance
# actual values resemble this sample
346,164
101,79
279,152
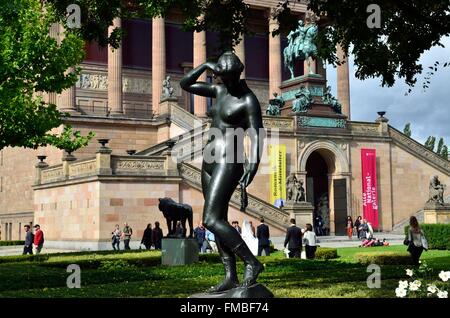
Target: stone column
240,52
51,98
274,59
200,58
115,104
158,61
66,101
343,82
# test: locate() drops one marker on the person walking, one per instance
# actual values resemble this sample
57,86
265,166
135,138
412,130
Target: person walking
157,236
310,241
126,233
211,239
199,234
357,225
263,235
147,237
293,240
38,239
29,240
349,227
116,234
415,240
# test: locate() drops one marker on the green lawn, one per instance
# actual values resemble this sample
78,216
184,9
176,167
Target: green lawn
137,274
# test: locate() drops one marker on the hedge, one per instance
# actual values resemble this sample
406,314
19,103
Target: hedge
438,235
384,258
326,253
11,243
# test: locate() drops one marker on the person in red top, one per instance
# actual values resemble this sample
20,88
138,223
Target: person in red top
38,239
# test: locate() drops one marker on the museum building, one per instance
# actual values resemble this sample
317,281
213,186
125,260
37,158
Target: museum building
77,199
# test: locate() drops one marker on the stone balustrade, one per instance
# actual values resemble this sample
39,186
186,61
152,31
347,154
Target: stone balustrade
105,164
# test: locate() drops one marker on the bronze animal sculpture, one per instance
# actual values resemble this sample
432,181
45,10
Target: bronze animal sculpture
174,212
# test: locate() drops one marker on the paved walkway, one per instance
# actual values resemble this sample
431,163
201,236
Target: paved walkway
18,250
343,241
324,241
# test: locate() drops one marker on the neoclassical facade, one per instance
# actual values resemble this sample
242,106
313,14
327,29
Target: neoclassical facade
118,96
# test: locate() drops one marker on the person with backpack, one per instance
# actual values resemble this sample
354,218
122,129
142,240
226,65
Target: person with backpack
415,240
29,240
38,239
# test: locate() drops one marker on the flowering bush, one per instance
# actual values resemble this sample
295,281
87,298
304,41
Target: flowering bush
416,286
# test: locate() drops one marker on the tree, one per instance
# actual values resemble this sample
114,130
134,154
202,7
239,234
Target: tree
440,145
407,27
32,62
430,143
444,152
407,130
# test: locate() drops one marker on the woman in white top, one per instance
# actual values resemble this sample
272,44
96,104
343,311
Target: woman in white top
310,241
415,240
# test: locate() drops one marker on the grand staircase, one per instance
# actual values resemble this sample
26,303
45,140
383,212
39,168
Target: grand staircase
256,207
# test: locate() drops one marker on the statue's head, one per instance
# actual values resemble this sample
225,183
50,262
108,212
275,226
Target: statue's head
229,67
300,23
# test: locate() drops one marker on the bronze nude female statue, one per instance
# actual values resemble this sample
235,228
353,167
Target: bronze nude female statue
236,108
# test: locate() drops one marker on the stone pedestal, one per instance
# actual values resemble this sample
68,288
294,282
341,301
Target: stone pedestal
434,214
179,251
302,212
165,106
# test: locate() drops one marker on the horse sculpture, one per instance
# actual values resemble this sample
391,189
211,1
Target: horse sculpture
174,212
301,46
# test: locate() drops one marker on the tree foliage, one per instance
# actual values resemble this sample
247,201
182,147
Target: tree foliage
32,62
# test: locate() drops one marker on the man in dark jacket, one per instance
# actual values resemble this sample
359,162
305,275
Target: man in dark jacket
29,240
157,236
293,240
263,235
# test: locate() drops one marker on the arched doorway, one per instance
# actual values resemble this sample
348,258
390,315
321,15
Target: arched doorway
317,191
325,168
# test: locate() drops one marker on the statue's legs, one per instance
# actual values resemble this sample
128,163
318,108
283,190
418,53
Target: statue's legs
218,190
229,263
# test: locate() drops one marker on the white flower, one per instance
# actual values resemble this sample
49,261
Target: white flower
444,275
409,272
432,289
442,294
400,292
403,284
415,285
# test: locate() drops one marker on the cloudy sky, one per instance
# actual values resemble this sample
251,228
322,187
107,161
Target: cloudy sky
427,111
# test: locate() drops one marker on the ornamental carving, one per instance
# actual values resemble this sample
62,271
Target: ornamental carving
51,175
285,124
137,165
83,168
365,129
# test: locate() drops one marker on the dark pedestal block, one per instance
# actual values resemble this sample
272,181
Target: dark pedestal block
179,251
254,291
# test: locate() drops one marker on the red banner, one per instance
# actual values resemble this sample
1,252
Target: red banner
369,186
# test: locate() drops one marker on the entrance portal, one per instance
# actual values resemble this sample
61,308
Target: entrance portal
317,191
